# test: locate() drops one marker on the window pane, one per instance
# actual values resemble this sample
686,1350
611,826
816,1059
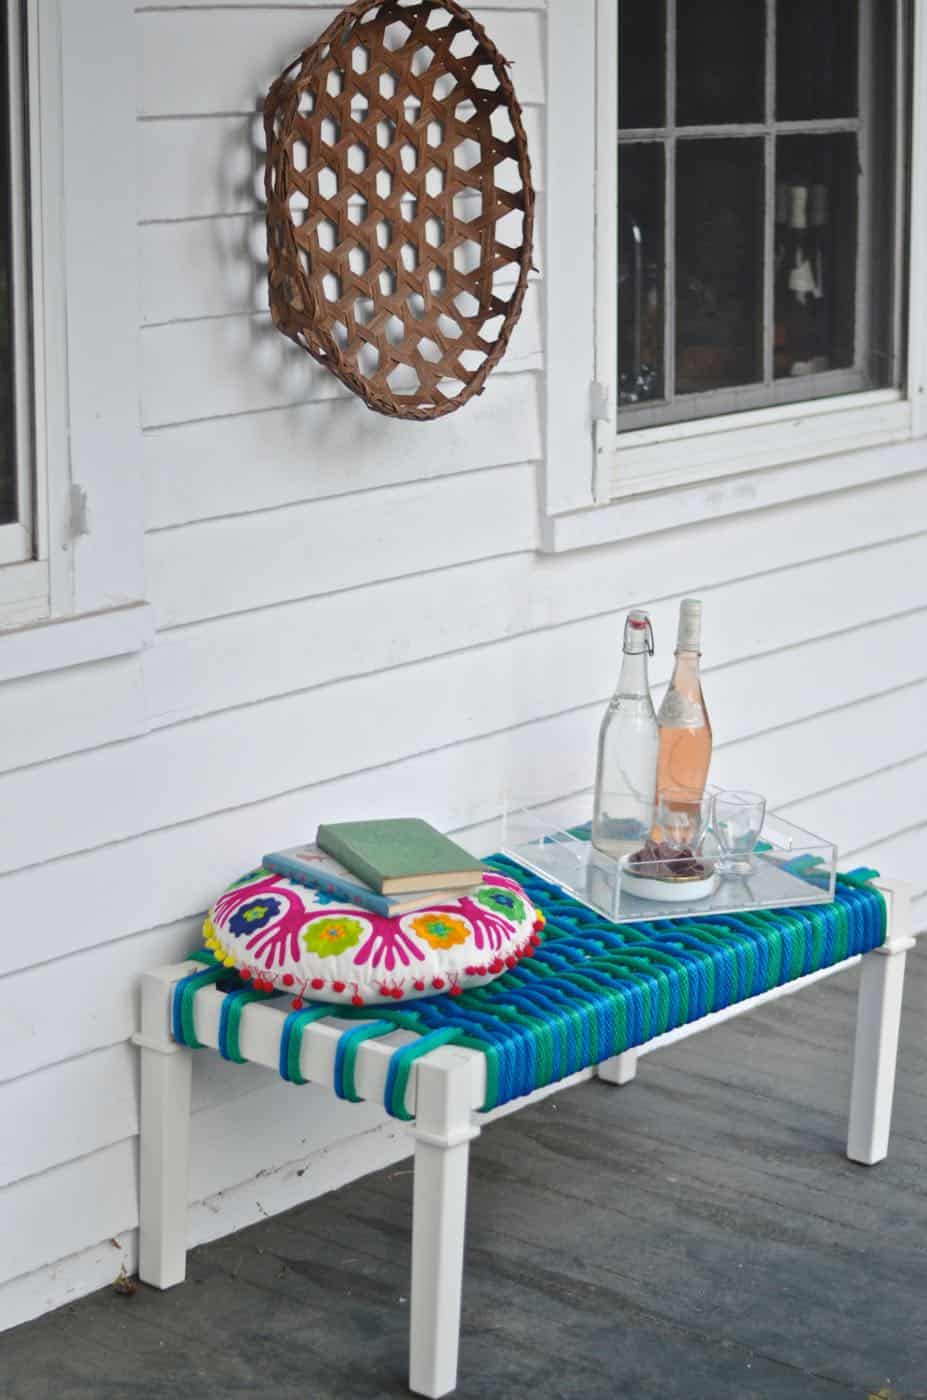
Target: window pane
719,263
816,242
641,62
7,433
816,42
720,60
640,273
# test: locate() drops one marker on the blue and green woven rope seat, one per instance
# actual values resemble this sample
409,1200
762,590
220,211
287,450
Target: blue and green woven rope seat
593,988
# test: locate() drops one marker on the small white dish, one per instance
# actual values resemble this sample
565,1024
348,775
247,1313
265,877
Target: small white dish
681,891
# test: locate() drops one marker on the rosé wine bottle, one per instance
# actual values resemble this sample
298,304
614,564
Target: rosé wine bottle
682,720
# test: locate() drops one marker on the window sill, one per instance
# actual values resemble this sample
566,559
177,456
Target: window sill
682,453
665,505
55,644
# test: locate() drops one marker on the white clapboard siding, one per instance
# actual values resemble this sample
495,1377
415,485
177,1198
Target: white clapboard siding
828,750
79,1105
239,756
903,854
224,566
80,707
864,810
60,1211
541,761
72,1107
99,988
113,890
217,267
300,453
278,556
239,364
255,45
197,167
234,757
730,547
322,449
204,667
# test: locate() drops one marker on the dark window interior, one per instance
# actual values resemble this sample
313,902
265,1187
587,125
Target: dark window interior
756,189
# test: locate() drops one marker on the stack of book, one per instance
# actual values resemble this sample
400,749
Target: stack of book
390,867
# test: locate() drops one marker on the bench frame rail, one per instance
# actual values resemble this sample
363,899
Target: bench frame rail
445,1089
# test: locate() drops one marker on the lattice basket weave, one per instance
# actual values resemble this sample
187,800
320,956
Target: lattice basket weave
399,204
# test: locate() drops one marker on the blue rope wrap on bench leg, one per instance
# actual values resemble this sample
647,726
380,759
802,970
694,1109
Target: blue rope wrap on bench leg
346,1057
400,1067
182,1025
233,1004
291,1040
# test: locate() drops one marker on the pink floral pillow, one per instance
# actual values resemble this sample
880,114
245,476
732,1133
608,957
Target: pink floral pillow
290,937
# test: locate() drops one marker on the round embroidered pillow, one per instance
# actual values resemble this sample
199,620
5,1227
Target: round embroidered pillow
288,937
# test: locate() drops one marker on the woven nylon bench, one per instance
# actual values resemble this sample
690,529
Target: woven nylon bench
594,998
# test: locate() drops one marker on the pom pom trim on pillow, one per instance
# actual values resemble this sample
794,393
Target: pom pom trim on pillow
282,936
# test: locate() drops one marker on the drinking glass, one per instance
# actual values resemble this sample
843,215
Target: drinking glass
683,815
737,820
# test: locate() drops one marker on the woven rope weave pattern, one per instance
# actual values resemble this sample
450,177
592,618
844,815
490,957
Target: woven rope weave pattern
596,988
399,204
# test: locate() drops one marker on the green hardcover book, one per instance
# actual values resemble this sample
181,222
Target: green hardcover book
400,855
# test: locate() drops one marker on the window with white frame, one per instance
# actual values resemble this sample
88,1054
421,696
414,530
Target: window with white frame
760,217
72,585
16,461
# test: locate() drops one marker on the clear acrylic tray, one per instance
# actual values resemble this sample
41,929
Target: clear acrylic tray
789,867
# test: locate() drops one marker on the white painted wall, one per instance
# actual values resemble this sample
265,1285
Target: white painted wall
354,618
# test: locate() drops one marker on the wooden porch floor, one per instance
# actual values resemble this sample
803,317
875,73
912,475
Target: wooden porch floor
697,1235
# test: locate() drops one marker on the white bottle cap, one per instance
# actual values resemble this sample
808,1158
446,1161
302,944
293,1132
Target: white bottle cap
689,636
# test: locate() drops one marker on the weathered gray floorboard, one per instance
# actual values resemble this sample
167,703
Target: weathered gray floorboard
697,1235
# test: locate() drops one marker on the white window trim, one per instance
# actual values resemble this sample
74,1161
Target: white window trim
598,487
85,585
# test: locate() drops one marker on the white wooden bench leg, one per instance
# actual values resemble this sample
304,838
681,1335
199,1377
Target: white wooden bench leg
878,1021
443,1131
620,1069
164,1148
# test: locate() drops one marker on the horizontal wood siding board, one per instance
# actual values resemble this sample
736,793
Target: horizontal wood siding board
68,1207
862,811
238,364
825,755
199,167
179,74
234,565
310,451
73,1107
903,855
43,717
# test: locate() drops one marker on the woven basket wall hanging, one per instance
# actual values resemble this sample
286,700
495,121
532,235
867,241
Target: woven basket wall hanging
396,166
